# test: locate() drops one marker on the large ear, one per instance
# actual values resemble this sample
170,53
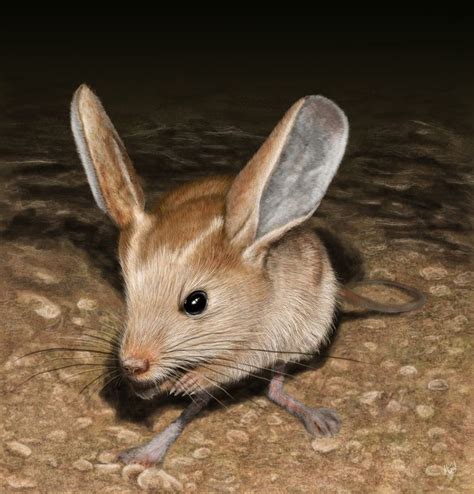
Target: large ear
109,170
287,178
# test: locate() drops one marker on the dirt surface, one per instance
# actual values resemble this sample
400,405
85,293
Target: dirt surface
402,200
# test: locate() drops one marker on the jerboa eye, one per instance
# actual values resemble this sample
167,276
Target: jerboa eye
195,303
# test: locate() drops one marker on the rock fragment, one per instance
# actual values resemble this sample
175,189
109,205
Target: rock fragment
434,471
87,304
16,482
433,273
154,479
325,444
41,305
18,449
237,436
131,472
408,371
424,411
438,385
107,468
82,465
370,397
201,453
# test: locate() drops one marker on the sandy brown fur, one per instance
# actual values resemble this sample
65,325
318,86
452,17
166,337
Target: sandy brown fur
271,289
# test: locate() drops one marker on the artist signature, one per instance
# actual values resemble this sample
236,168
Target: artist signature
450,470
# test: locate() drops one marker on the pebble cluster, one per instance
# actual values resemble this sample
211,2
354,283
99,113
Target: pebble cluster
402,398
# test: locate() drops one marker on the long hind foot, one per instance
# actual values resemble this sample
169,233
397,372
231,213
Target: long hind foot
320,421
317,421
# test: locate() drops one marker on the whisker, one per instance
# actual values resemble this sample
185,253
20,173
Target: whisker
280,352
75,359
61,349
112,340
72,376
93,381
201,389
232,361
216,383
106,383
239,369
94,345
205,335
56,369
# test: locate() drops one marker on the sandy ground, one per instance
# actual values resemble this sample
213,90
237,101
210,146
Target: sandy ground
402,200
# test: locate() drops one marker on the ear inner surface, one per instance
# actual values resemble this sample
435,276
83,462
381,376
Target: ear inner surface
83,150
285,181
109,169
242,203
309,160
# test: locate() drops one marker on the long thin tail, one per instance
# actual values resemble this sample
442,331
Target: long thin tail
353,298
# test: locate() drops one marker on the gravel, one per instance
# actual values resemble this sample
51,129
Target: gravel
19,449
325,444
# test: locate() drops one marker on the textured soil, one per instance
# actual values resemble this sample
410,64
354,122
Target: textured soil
402,203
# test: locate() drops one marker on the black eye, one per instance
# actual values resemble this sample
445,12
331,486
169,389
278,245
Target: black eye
195,303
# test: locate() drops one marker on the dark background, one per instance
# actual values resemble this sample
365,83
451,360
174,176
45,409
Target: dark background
192,96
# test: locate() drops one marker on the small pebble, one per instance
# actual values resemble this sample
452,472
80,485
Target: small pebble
50,461
83,422
354,445
152,478
394,406
370,346
433,273
370,397
180,461
199,439
438,385
261,402
249,417
21,483
388,364
42,306
458,323
87,304
439,447
107,468
375,324
381,273
57,435
78,321
274,419
237,436
131,472
106,457
436,432
434,470
440,290
398,465
170,483
201,453
129,437
340,365
464,279
408,370
82,465
325,444
46,277
424,411
19,449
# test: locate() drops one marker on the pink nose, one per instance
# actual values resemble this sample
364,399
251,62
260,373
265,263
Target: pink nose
135,366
